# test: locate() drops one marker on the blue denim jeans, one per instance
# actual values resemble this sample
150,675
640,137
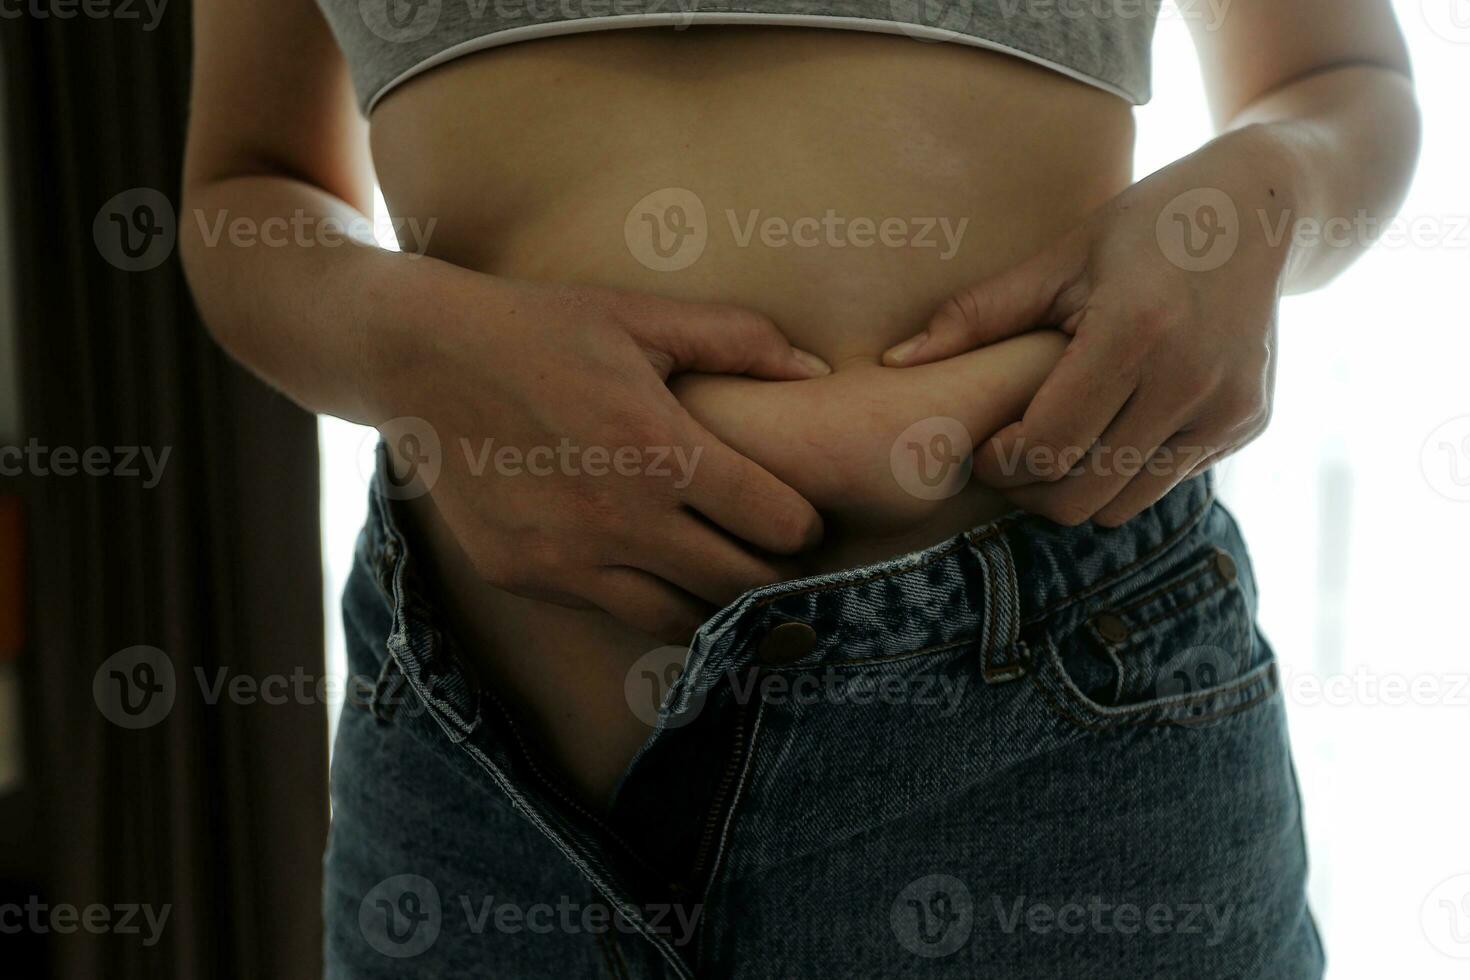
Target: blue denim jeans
1030,751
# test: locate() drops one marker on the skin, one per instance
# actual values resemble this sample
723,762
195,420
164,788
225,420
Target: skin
850,420
1171,367
529,321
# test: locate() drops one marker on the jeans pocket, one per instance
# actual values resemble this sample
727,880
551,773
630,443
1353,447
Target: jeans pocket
1173,646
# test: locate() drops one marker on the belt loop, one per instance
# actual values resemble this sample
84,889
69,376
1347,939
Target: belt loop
1002,655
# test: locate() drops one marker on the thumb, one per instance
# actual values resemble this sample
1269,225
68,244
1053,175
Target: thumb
720,339
1012,302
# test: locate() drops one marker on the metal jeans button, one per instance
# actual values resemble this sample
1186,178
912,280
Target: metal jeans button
786,644
1110,627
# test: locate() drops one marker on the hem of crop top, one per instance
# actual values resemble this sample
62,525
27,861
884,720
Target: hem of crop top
688,18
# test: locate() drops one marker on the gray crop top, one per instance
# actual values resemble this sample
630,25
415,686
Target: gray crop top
1101,42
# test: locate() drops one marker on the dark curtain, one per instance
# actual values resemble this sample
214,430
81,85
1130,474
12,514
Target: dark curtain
217,812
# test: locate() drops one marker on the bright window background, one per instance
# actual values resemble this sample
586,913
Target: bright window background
1349,505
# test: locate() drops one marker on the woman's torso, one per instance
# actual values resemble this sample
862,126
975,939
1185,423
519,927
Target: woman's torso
849,182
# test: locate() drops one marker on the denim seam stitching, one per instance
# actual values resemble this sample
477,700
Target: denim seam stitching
1102,725
1268,682
1239,684
988,571
728,828
1167,587
1166,617
1168,542
1177,610
578,861
399,564
827,586
466,742
891,658
396,555
994,530
988,652
551,785
1000,588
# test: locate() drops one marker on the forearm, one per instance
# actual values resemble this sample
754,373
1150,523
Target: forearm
327,318
1344,144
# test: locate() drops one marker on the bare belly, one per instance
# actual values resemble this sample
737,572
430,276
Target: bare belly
843,183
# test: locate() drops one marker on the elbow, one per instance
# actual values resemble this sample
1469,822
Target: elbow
1399,124
1412,137
209,269
1401,142
194,258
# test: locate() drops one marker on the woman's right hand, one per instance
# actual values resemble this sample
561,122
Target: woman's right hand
569,472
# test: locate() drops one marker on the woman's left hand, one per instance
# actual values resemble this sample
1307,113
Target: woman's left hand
1169,294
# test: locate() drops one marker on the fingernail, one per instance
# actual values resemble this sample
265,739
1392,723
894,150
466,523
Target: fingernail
815,366
907,349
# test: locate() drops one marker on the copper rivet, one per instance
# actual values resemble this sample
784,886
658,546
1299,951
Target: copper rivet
1110,627
786,644
1225,565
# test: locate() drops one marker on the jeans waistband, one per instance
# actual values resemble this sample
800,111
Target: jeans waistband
979,588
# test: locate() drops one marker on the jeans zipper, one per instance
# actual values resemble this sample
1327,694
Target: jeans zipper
708,836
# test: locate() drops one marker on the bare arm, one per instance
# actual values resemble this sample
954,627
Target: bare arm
1169,291
276,149
1327,85
273,133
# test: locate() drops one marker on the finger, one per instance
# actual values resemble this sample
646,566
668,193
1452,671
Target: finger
1125,449
746,501
1175,461
721,339
706,563
1022,297
647,603
1072,409
1208,460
